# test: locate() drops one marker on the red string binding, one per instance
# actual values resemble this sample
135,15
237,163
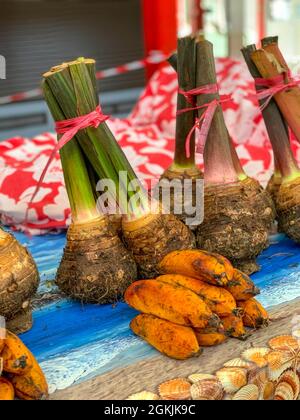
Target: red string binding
203,124
273,86
68,129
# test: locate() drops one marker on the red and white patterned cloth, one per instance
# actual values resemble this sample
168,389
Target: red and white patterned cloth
147,138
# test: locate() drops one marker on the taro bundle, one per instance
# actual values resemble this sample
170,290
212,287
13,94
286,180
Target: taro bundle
184,167
238,212
96,266
285,183
19,280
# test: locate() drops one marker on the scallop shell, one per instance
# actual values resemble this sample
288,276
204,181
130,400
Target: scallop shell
284,392
247,393
274,375
290,377
277,359
267,392
177,390
239,363
260,378
232,379
143,396
257,355
200,377
296,334
208,390
278,362
284,343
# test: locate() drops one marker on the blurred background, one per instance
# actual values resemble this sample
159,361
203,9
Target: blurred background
37,34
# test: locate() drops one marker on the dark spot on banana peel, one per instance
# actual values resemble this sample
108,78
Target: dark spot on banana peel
200,268
238,312
214,321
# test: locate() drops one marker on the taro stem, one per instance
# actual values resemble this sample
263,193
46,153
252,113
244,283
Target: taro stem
80,192
270,63
285,163
74,87
218,162
186,70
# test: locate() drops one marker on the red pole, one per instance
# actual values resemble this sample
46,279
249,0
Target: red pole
196,16
160,27
261,19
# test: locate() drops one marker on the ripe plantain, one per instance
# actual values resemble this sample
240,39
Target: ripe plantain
210,268
234,327
7,392
219,300
242,287
170,339
255,316
32,385
211,337
17,359
170,302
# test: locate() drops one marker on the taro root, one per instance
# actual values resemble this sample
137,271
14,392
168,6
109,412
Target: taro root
263,200
285,183
234,225
274,185
71,92
96,267
152,237
19,280
184,167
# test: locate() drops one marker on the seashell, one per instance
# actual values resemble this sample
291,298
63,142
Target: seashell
247,393
259,377
227,397
143,396
274,375
208,390
232,379
267,392
239,363
290,377
276,359
284,343
296,334
278,362
284,392
200,377
257,355
177,390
